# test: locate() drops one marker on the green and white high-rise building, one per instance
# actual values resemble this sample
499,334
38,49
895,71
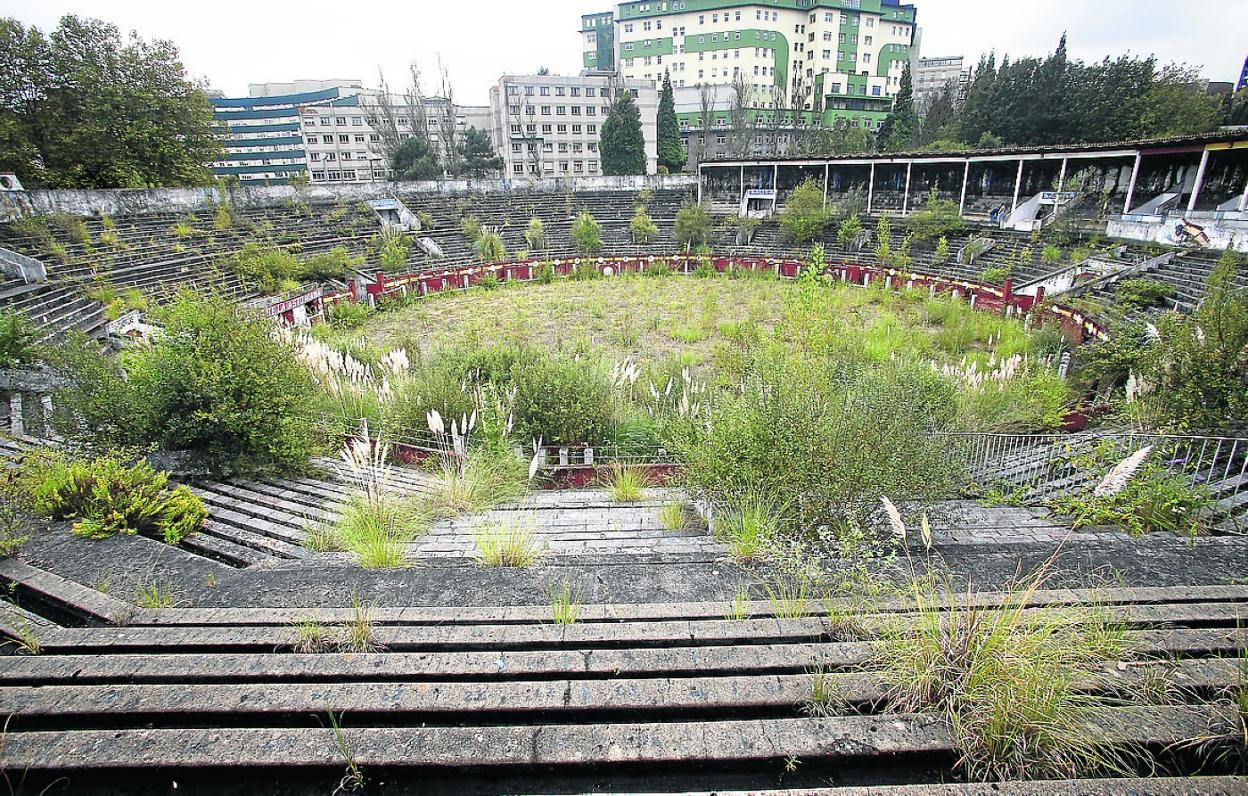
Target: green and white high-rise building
815,61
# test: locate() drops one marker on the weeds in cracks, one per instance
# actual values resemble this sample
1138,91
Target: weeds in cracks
507,543
353,780
626,484
565,604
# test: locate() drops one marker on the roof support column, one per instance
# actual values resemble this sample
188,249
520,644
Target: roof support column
905,199
1135,175
1200,181
1061,178
741,198
1018,185
966,178
827,175
871,189
775,187
1243,200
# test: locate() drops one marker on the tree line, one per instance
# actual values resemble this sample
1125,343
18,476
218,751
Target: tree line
82,108
1054,100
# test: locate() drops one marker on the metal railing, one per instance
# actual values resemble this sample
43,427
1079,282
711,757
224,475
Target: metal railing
1037,466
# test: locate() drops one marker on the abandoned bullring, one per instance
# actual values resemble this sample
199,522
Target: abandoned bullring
891,475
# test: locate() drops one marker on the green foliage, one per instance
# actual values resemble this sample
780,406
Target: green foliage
1144,293
478,154
138,120
642,227
392,253
626,484
471,228
1051,255
941,255
938,218
671,153
105,497
350,314
535,234
623,147
337,263
1155,500
996,274
215,382
1012,681
693,225
849,231
1195,372
804,217
586,234
884,242
840,139
414,159
899,132
838,441
223,218
18,340
377,529
489,247
750,523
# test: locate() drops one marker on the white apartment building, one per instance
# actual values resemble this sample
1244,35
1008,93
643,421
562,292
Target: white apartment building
842,56
551,125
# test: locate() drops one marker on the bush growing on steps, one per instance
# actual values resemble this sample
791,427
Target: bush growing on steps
804,217
558,399
107,496
1144,293
587,234
693,225
273,269
18,340
213,382
832,442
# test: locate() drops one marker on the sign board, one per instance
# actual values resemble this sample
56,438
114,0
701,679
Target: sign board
1056,197
760,193
298,301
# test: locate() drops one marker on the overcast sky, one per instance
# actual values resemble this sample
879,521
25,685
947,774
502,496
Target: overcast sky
231,43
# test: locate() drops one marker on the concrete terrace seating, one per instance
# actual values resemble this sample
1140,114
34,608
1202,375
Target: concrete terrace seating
143,253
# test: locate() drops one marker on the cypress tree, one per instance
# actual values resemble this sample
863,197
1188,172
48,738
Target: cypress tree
900,130
623,146
671,153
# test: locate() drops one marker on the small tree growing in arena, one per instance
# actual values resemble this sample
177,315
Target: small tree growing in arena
804,217
587,234
415,160
693,225
478,153
642,227
671,153
623,146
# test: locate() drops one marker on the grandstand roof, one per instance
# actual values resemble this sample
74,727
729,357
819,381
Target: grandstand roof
1235,137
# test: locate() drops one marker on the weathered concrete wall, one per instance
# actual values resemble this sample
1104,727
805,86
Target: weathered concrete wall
180,200
1221,231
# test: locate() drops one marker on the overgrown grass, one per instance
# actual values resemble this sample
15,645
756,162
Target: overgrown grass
1011,682
154,595
312,638
507,543
484,482
672,516
377,530
749,523
359,634
565,604
625,484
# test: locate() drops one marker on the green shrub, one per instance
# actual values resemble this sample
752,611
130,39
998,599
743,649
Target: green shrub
489,247
693,225
938,218
471,228
392,253
18,339
215,382
838,442
223,218
1144,293
996,274
545,273
558,399
849,231
268,268
1154,500
586,234
535,234
642,227
337,263
350,314
74,228
804,217
105,497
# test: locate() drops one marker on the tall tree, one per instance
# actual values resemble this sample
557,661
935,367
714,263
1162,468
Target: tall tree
623,145
900,130
671,154
83,109
397,118
448,123
741,138
839,139
415,160
479,157
940,115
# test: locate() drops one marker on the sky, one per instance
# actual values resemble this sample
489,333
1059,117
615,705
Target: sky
231,43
